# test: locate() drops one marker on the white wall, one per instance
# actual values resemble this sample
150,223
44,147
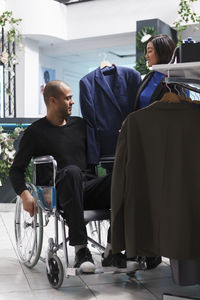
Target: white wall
104,17
2,6
88,19
20,80
43,17
31,78
66,72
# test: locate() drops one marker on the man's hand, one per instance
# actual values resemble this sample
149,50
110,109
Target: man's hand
29,203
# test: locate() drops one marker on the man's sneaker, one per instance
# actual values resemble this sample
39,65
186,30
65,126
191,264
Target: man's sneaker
84,261
119,262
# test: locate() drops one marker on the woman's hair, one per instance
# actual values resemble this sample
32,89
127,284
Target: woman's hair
164,47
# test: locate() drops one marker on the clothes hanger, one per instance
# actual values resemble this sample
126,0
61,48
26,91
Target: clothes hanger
168,87
175,98
176,89
105,63
170,97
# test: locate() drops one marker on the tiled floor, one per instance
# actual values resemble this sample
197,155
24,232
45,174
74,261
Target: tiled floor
17,282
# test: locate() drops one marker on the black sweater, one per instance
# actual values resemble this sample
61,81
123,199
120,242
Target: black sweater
67,144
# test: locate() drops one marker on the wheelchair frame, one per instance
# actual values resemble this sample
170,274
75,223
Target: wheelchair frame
29,231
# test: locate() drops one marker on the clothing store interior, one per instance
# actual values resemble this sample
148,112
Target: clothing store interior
99,149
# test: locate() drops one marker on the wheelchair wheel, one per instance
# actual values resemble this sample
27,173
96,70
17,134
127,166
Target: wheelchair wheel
56,274
28,232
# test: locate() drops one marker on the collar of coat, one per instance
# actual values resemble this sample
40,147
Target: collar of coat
174,98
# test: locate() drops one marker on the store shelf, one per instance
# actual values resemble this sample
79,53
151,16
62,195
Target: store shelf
187,70
186,73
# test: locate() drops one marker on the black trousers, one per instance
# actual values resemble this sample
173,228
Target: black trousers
76,192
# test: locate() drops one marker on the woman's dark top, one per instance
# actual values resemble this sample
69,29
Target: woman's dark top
157,92
147,92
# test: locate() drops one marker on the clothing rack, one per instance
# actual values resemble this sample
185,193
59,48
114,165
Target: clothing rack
186,75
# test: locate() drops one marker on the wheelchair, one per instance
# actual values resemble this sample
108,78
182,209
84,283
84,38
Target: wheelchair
29,230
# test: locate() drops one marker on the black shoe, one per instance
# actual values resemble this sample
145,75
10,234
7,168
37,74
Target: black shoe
117,260
120,262
153,262
107,261
84,261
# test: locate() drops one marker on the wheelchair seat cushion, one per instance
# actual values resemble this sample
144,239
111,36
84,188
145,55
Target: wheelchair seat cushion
96,215
93,215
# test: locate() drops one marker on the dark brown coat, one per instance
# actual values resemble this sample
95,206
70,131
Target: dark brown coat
155,195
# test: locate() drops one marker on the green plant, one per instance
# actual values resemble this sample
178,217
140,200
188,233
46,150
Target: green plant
186,16
143,35
141,40
141,65
7,140
12,39
10,24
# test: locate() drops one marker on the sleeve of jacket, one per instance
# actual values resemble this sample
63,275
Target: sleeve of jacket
134,82
118,192
88,113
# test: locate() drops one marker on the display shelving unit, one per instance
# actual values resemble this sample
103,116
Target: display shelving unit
187,74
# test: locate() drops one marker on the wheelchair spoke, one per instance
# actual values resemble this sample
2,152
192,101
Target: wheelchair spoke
29,234
27,237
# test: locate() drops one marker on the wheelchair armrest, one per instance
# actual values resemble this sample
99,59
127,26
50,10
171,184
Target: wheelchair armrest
107,159
43,159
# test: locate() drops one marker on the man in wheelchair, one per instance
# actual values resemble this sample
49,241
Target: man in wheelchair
78,189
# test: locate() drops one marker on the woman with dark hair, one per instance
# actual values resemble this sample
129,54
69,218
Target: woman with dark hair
159,50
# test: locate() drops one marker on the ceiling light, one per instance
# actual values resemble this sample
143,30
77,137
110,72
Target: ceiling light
67,2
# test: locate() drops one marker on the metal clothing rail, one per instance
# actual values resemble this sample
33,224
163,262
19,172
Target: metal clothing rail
184,83
186,75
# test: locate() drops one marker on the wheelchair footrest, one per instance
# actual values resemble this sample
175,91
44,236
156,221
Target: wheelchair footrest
110,269
113,269
72,272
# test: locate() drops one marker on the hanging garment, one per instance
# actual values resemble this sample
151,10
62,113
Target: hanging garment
107,96
156,181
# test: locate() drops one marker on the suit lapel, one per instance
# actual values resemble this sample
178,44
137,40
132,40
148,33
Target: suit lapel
142,86
99,77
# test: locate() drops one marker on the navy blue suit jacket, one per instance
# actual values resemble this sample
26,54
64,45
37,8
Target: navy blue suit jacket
104,105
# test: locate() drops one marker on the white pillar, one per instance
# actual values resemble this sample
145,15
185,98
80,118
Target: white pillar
27,80
2,6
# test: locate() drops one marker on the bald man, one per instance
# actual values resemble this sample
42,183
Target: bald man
64,137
